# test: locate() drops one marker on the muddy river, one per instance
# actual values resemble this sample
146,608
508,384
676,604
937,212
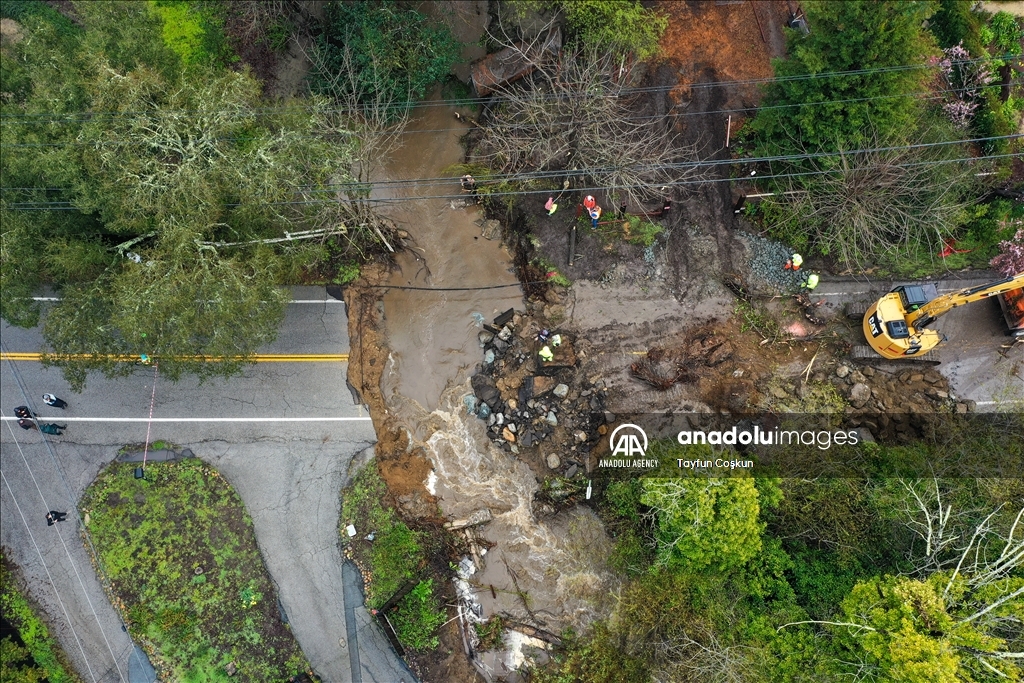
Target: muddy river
433,350
433,334
545,572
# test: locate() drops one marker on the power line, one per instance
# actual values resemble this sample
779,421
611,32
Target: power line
69,205
66,206
681,166
42,561
97,560
71,560
485,100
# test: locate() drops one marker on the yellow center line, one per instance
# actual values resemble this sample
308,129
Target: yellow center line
259,357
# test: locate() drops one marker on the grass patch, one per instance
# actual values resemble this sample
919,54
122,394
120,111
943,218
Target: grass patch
631,230
194,31
417,617
184,567
25,11
491,633
396,554
41,657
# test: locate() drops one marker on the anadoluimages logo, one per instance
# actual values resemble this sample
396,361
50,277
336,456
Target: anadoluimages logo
628,443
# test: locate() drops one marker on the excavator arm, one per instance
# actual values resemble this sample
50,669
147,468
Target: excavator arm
925,315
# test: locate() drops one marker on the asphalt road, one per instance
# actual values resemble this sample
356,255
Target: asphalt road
283,434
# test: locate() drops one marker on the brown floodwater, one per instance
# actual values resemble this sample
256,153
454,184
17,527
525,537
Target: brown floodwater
433,334
559,562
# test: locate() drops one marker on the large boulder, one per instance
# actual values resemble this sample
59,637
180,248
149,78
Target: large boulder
485,390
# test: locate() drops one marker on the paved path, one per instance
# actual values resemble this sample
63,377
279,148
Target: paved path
288,470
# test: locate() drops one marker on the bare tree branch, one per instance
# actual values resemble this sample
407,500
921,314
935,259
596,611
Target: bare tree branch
575,112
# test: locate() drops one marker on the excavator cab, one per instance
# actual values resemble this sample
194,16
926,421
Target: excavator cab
912,297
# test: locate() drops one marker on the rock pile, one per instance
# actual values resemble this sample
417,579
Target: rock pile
767,258
894,407
904,406
545,408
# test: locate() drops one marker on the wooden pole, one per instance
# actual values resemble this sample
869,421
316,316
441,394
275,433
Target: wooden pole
728,131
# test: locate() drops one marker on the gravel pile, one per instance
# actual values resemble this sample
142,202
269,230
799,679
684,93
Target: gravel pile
767,261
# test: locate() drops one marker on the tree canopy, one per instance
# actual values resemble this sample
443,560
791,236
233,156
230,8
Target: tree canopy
704,522
157,195
856,75
397,52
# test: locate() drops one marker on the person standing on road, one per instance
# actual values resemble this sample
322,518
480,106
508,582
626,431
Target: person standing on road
23,411
26,424
53,516
55,402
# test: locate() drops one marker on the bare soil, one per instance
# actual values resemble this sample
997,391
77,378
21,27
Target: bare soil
404,469
735,41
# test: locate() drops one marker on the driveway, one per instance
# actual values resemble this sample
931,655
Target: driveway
283,434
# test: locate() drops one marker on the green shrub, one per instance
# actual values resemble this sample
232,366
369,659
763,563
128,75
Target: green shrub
39,644
398,53
418,616
595,659
954,23
1003,34
822,578
622,26
631,555
396,553
622,499
347,272
806,109
192,30
278,34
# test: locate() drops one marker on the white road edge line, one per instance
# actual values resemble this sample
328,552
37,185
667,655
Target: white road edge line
61,418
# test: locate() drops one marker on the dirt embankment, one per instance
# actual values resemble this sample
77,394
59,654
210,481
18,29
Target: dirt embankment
404,468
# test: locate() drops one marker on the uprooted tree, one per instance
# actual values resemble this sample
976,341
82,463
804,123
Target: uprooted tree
958,617
577,115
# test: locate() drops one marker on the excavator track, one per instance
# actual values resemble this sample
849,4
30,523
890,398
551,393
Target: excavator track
855,310
863,353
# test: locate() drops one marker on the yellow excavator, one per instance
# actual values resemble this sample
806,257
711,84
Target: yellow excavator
895,325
